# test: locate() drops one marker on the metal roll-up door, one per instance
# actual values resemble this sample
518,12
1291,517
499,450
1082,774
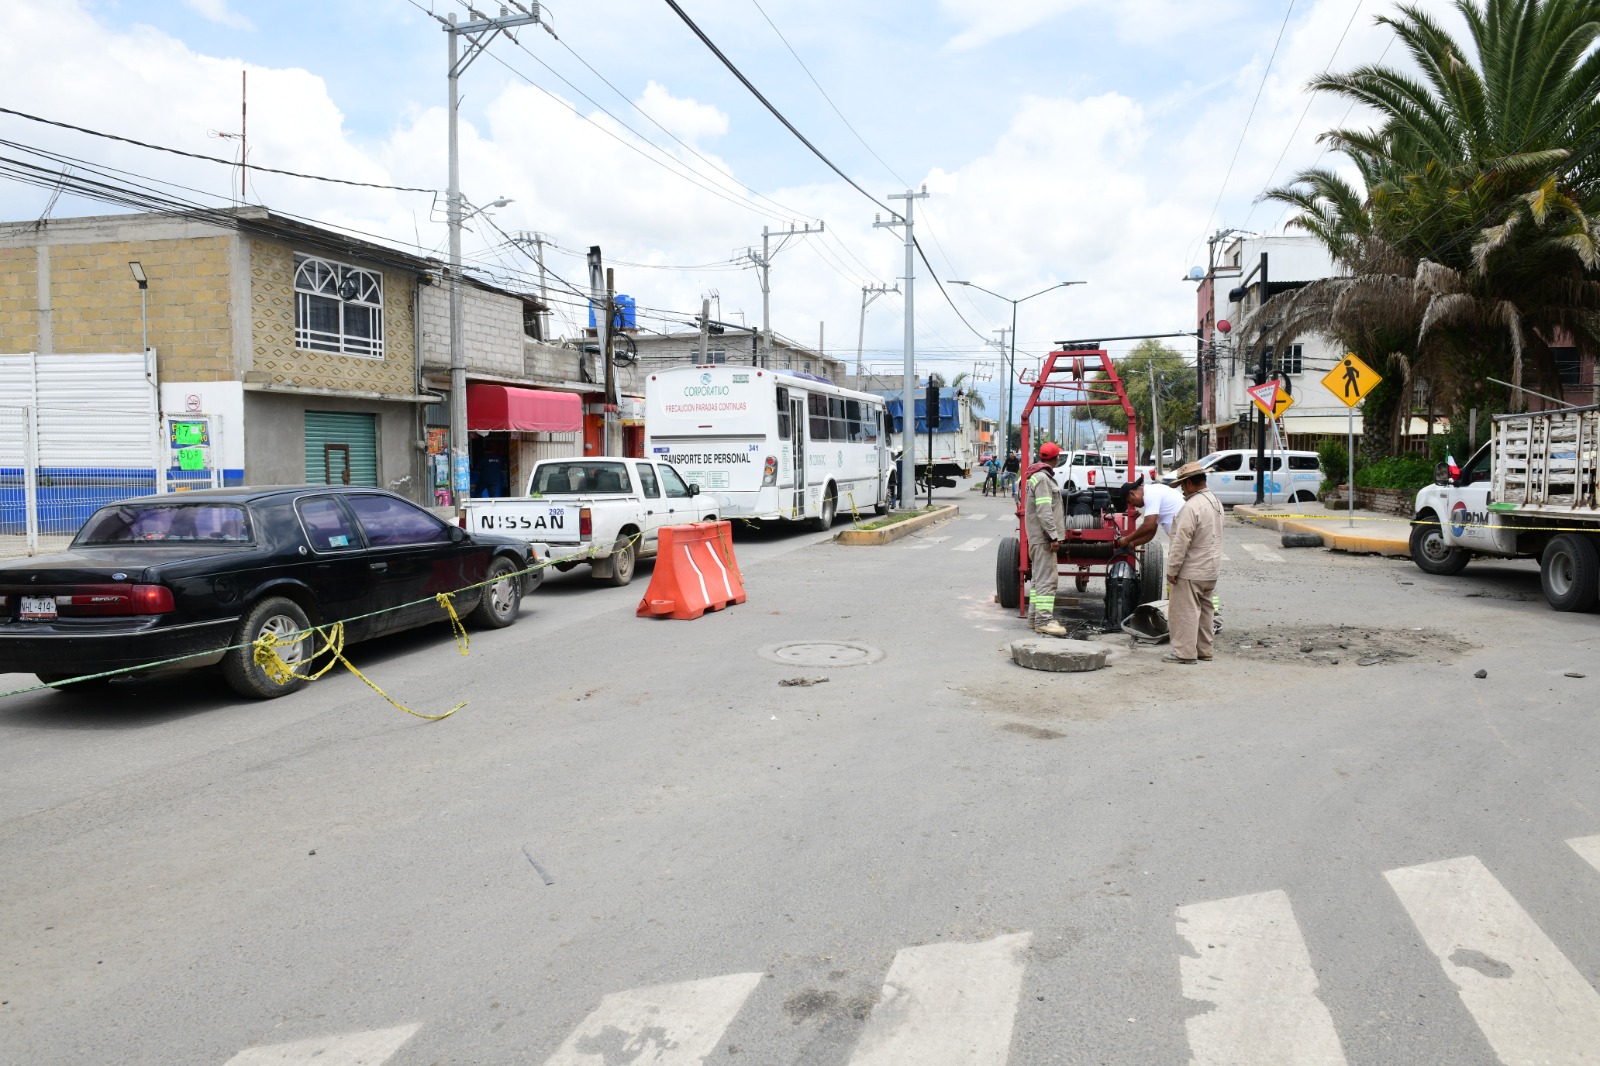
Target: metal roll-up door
341,449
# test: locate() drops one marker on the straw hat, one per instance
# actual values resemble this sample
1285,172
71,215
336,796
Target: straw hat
1185,472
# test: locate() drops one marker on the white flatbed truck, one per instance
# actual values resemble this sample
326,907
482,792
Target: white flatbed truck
1528,493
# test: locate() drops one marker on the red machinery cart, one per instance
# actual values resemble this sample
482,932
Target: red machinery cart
1072,378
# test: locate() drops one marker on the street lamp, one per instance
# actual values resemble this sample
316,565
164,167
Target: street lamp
137,269
1011,378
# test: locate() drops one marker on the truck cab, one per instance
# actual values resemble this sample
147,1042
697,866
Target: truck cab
1452,518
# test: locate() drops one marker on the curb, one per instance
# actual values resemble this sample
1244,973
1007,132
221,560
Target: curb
898,530
1337,540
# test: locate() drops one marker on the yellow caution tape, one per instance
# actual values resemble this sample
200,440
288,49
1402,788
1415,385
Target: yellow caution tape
1518,528
459,631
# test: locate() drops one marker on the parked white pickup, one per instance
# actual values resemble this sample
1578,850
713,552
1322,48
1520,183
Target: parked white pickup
606,511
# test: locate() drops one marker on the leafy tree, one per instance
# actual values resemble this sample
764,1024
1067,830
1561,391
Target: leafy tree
974,397
1175,389
1471,244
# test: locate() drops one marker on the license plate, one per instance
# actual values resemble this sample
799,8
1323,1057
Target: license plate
38,607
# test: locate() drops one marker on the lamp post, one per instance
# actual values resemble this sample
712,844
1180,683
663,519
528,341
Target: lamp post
137,270
1011,378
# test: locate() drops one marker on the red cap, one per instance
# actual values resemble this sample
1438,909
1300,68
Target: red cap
1049,450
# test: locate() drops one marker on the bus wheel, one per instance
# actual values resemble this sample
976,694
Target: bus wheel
830,506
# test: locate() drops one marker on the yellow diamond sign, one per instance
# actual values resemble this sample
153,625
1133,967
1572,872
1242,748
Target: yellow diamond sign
1350,380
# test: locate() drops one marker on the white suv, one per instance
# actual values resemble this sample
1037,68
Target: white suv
1232,476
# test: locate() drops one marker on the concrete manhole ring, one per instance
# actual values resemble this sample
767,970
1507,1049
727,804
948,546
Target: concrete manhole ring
824,653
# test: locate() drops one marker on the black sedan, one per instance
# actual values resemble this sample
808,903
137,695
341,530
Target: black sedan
178,582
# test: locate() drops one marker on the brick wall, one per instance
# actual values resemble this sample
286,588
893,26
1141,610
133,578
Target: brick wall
95,302
278,361
492,330
19,300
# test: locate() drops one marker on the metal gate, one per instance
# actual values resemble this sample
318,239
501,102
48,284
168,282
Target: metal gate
341,449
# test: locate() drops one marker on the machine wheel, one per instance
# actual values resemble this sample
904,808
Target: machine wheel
1008,573
1569,572
1153,573
501,597
1081,582
1433,556
623,556
830,506
280,617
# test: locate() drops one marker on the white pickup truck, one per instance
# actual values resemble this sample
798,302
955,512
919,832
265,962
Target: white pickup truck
1528,493
607,512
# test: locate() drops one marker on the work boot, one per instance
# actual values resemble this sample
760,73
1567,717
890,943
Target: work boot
1050,628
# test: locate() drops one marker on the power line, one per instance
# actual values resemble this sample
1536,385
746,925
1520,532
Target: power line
211,158
824,93
1259,89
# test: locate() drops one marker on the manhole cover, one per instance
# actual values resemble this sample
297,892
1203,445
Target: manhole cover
821,653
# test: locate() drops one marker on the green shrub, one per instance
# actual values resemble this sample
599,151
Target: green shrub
1407,473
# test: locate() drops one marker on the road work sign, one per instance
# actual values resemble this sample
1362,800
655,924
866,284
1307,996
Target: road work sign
1350,380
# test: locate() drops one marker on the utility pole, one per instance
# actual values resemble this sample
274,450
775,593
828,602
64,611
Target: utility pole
705,327
763,263
1155,416
602,321
908,401
868,294
544,288
478,32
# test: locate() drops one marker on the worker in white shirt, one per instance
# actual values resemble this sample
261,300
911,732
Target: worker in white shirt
1160,505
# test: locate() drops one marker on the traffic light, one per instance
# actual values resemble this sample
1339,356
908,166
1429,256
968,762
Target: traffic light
931,405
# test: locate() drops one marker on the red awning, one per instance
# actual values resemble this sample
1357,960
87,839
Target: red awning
501,408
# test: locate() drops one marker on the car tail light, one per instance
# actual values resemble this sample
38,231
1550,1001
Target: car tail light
81,601
769,471
1091,477
585,522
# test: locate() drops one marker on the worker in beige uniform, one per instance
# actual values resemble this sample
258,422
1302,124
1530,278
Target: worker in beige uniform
1194,562
1044,519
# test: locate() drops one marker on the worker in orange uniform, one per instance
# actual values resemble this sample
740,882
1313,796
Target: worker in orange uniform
1045,521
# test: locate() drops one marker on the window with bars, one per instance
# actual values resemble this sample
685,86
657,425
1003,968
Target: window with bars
1290,362
337,308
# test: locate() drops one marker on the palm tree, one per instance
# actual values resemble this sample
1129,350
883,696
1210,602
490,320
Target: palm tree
1471,244
974,397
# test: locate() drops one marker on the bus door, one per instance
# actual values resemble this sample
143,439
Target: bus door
797,431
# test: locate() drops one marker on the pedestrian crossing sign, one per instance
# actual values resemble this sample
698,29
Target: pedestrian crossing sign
1350,380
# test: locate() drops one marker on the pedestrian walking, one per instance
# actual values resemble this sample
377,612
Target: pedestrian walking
1045,521
991,476
1194,561
1008,473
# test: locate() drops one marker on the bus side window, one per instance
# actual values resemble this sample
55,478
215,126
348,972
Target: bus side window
872,424
839,428
817,413
783,413
852,415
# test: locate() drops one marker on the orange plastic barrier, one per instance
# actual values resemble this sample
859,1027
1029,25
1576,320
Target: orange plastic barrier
695,572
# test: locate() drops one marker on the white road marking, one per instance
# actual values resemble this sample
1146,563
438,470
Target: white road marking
1254,970
667,1025
972,545
370,1048
927,542
1588,849
1531,1003
947,1005
976,517
1264,553
1225,558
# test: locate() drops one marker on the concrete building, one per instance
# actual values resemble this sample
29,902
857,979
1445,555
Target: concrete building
735,344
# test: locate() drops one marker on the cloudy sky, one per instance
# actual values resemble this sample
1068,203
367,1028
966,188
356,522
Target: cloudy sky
1093,140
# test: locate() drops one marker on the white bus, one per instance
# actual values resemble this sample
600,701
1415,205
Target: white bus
770,443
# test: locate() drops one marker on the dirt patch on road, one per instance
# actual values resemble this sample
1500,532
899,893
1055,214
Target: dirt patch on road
1339,645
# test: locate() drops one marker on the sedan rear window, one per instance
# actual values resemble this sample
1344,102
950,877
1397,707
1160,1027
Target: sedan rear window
171,523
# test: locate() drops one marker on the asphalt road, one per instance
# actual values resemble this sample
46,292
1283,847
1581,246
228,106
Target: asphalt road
935,858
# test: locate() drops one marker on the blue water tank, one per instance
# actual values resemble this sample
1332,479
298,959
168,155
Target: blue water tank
626,317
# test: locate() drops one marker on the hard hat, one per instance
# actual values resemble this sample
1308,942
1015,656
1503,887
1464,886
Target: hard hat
1049,450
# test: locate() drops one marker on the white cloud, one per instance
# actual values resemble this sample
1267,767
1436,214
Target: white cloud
217,11
987,22
688,119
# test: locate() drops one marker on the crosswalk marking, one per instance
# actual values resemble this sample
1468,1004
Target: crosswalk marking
927,542
972,545
371,1048
1251,964
1588,849
1264,553
976,517
947,1005
667,1025
1531,1003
